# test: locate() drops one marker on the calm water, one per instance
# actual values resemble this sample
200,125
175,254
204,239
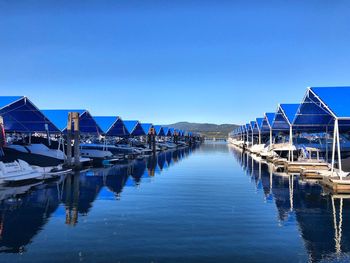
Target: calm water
212,204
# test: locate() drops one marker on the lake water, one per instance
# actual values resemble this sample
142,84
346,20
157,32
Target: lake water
211,204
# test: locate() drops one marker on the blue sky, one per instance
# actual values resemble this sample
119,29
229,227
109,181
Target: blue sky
166,61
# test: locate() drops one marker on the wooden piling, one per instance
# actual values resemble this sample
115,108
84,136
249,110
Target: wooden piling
75,118
153,139
69,140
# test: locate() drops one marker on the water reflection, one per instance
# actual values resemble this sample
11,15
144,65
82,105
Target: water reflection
24,210
320,217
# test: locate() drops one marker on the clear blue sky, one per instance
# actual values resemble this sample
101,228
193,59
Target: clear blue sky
166,61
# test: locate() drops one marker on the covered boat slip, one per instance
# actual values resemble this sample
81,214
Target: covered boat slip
20,115
21,118
323,112
326,109
37,136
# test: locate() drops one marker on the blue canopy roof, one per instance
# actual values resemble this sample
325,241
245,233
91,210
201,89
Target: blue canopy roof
266,122
253,127
166,131
87,123
134,127
171,131
112,126
146,127
336,99
21,115
321,106
284,116
259,123
159,130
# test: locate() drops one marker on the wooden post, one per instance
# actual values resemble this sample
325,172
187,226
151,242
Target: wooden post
69,140
75,118
153,139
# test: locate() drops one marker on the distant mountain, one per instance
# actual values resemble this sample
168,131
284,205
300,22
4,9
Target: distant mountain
206,129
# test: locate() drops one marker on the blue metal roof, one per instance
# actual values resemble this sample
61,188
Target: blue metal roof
171,130
112,126
87,123
321,106
159,130
166,131
259,123
284,116
134,127
7,100
270,116
335,98
21,115
289,111
146,127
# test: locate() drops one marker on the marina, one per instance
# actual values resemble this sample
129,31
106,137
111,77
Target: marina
175,131
310,139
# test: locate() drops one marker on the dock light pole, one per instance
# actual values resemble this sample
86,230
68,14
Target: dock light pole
270,137
252,137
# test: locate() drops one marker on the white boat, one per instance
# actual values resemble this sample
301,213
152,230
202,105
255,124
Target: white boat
93,150
37,154
17,171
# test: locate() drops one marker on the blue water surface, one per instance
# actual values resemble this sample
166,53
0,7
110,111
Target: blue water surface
210,204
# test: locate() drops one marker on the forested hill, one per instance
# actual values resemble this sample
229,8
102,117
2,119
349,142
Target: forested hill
206,129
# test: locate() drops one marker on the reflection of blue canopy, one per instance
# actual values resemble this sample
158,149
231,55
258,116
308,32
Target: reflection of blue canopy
21,115
284,116
134,128
87,123
146,127
321,106
112,126
159,130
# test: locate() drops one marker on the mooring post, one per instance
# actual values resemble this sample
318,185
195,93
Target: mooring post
153,134
69,139
75,118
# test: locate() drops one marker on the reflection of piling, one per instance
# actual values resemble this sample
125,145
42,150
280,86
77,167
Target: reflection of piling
72,190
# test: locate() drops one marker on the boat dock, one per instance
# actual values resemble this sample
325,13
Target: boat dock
307,139
37,141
